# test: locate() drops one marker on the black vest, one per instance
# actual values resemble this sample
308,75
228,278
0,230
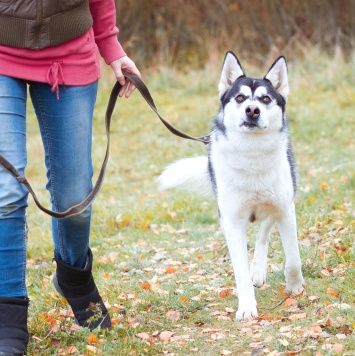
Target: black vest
37,24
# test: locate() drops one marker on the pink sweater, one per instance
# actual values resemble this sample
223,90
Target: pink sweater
72,63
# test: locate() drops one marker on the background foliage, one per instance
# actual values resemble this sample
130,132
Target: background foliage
180,32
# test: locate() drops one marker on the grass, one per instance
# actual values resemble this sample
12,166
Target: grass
160,259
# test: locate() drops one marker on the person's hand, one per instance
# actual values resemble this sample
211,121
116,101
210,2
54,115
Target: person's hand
124,64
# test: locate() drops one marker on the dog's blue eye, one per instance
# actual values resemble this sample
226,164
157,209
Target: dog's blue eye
240,98
266,99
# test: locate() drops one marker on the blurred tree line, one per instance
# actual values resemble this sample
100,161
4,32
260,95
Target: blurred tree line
191,32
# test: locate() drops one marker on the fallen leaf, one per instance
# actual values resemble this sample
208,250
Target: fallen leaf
282,292
173,315
284,342
338,347
289,302
92,339
166,335
170,270
72,350
91,349
147,286
333,293
226,352
298,316
294,352
225,293
316,329
143,336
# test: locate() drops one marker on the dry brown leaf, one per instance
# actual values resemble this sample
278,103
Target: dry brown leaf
225,293
173,315
143,336
92,349
170,270
166,335
289,301
294,352
282,292
316,329
298,316
72,350
147,286
92,339
284,342
338,347
333,293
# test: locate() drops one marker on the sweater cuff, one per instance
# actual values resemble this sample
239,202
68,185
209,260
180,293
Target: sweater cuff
110,49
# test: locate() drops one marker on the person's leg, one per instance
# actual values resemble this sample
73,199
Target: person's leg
66,129
13,202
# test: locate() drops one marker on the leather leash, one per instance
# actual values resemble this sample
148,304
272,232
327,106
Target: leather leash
79,208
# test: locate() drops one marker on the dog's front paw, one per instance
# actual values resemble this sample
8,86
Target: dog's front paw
294,279
247,309
258,274
295,285
246,314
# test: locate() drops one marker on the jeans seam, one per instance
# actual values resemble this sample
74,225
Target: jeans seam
24,288
52,174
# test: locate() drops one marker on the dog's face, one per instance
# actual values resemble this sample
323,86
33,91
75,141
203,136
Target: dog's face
253,105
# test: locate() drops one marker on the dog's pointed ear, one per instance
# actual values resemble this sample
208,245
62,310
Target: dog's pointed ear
278,77
231,71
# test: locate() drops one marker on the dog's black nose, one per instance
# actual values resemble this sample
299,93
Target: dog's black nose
253,112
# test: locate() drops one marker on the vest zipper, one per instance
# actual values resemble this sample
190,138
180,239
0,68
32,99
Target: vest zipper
38,25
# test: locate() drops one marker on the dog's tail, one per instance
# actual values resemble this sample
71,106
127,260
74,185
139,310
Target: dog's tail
189,174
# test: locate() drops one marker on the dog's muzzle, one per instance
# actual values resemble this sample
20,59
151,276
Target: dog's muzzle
253,113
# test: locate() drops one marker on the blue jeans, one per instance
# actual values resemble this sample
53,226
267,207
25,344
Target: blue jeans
66,130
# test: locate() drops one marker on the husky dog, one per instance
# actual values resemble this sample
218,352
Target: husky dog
250,169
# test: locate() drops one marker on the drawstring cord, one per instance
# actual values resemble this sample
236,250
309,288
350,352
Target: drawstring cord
54,72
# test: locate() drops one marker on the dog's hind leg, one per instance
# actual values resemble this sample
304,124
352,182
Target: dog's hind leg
288,231
258,267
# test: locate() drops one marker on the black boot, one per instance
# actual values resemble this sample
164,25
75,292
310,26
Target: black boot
77,286
13,326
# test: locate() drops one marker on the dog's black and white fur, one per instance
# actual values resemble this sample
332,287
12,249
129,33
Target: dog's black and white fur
250,169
